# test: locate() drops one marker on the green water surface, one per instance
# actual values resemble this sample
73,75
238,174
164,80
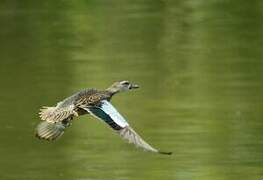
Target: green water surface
200,67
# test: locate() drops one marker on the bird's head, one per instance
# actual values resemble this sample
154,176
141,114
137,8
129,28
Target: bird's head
121,86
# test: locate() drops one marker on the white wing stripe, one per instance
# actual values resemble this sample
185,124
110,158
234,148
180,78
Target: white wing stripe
108,108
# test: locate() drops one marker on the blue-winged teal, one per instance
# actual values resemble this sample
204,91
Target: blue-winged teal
90,101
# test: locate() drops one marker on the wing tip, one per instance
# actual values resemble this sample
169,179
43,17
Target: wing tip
165,153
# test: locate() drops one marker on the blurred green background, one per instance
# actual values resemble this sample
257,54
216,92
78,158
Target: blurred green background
199,64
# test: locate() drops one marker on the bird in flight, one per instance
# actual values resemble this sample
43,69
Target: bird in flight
95,102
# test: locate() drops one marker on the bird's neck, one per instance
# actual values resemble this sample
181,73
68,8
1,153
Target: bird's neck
112,90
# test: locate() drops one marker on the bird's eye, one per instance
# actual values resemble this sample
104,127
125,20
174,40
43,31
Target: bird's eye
126,83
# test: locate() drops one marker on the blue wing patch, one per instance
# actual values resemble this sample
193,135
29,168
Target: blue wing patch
107,112
105,117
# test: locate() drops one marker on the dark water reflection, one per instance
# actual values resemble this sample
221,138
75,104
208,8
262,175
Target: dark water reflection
199,64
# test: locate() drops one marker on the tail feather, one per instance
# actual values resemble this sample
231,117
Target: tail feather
46,112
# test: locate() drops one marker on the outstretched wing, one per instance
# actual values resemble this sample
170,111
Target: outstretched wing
51,131
107,113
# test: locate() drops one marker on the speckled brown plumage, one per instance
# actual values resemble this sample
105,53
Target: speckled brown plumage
73,105
55,120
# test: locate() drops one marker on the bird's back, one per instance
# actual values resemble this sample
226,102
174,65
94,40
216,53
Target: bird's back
73,99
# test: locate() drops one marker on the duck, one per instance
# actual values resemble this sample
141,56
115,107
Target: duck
56,119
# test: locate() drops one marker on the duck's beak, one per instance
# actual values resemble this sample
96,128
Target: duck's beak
134,86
